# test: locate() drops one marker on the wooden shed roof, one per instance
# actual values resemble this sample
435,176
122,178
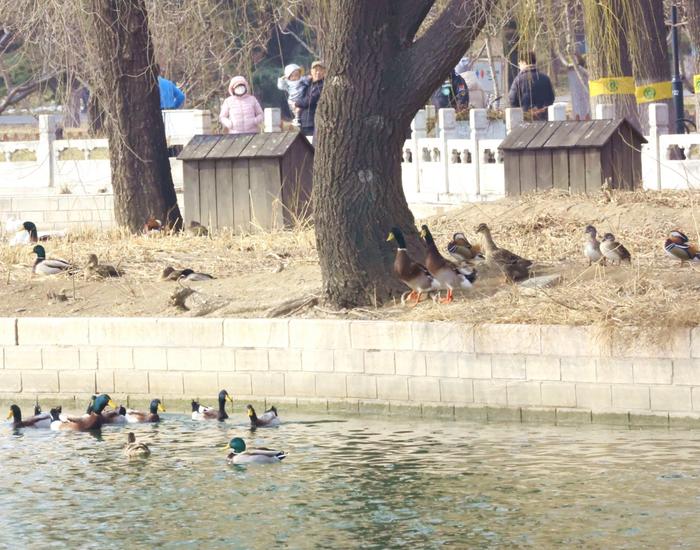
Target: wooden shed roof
229,146
565,134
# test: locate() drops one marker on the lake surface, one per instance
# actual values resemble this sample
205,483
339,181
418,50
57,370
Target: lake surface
357,481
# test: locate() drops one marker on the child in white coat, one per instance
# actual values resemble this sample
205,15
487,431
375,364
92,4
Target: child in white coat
292,83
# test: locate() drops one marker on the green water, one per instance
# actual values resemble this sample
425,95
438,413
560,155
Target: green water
374,483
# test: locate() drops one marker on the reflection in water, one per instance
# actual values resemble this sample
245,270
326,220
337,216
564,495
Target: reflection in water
370,482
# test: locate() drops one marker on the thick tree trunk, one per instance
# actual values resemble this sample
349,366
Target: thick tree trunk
128,91
378,78
650,54
693,17
609,54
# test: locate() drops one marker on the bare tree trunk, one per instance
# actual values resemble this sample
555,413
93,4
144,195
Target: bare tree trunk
650,55
609,54
693,27
378,78
96,117
71,106
128,91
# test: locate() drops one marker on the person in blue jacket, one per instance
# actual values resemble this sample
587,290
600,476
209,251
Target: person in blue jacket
531,90
171,97
453,94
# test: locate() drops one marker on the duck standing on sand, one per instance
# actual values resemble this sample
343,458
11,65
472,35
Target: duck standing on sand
268,418
199,412
414,275
513,267
592,247
613,250
678,246
261,455
42,266
445,272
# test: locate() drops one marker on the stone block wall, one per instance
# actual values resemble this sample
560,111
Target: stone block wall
498,372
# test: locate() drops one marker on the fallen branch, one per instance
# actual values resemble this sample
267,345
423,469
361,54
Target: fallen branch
292,306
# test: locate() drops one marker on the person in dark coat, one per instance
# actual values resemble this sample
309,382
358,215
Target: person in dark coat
307,103
532,90
453,94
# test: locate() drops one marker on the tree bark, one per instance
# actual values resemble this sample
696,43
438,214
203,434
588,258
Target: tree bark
128,91
377,80
650,53
609,54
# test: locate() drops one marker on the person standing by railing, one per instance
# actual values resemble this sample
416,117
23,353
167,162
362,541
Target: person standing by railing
307,103
532,90
240,112
171,97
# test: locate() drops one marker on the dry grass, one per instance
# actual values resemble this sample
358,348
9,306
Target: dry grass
653,296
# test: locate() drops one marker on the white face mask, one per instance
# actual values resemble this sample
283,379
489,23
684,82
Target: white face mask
240,90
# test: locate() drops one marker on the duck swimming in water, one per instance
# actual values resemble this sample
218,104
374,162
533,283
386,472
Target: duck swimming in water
39,420
133,416
200,412
241,455
134,449
92,421
268,418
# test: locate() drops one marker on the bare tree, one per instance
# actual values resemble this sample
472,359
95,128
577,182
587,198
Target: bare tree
379,76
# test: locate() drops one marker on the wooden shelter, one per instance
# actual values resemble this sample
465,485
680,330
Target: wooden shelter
577,156
247,181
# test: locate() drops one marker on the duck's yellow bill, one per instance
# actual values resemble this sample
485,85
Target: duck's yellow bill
391,236
112,404
161,408
9,415
229,398
250,412
226,447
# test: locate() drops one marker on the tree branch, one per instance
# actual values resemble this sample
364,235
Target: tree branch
18,93
411,15
429,60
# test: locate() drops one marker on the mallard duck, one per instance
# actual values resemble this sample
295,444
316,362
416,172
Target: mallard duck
39,420
678,246
171,274
152,225
268,418
100,271
462,250
445,272
116,416
242,455
592,247
513,267
42,266
197,229
132,449
133,416
92,421
613,250
200,412
414,275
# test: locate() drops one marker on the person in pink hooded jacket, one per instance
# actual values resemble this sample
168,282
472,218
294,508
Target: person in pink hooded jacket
241,113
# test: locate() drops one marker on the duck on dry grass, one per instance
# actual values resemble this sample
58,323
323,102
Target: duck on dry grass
172,274
678,246
96,270
462,250
414,275
513,267
591,249
614,251
445,272
53,266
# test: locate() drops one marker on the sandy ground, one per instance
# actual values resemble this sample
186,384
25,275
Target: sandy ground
257,272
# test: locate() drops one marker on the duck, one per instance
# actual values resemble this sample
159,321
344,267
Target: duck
171,274
242,455
132,449
91,421
197,229
42,266
445,272
613,250
200,412
133,416
513,267
462,250
414,275
116,416
267,419
592,247
97,270
152,225
678,246
39,420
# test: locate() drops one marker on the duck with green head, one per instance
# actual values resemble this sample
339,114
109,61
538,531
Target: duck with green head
42,266
414,275
240,454
91,421
39,420
200,412
133,416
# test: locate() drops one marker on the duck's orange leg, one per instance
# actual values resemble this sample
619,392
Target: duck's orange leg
415,303
447,298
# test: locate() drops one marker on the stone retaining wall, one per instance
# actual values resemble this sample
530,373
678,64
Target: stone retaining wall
506,372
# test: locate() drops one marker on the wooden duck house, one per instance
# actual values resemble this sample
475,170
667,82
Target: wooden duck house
247,181
575,156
